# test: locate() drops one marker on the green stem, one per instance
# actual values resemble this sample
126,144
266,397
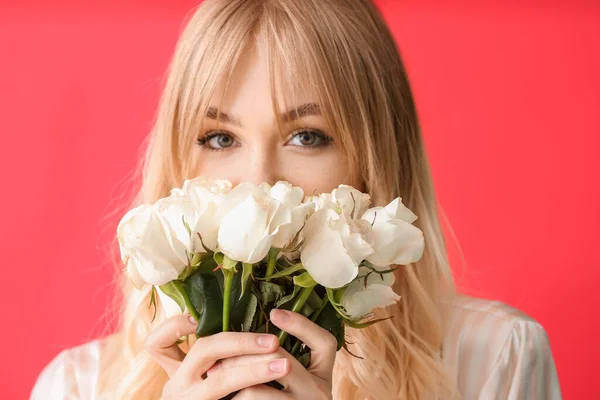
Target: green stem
188,302
297,307
260,319
227,285
316,314
313,318
272,261
295,348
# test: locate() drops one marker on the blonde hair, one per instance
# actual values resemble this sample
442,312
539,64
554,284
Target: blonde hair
342,51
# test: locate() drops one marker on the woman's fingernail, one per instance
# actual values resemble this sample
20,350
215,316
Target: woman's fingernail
278,365
279,315
265,340
192,320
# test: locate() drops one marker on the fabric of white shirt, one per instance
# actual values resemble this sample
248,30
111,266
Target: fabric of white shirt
491,350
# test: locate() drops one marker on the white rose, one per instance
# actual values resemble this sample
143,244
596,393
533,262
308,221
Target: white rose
352,202
205,195
174,209
150,248
202,187
334,246
360,298
348,200
320,200
396,240
249,222
291,197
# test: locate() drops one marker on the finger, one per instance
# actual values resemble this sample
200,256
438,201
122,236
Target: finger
228,380
295,381
207,350
321,342
161,344
262,392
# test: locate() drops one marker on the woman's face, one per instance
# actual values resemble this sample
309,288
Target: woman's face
248,147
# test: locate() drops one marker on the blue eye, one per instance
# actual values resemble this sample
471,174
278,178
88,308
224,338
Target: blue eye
310,138
216,141
304,138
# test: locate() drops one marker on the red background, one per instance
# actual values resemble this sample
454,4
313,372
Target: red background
508,93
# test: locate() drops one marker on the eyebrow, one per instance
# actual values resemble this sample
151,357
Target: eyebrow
304,110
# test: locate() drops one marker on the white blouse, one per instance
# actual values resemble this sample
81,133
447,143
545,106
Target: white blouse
491,350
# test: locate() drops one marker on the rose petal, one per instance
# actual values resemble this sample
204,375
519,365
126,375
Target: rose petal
131,270
287,194
288,231
324,255
242,229
352,201
359,301
357,238
397,210
396,242
154,269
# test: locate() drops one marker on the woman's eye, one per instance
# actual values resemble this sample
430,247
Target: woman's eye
217,141
309,138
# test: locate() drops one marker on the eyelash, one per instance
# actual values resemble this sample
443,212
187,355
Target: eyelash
327,140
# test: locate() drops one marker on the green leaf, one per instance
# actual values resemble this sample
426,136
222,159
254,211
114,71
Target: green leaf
285,272
288,297
186,272
314,300
153,302
332,299
173,290
228,263
239,301
246,272
205,292
187,227
339,294
304,359
219,258
330,320
207,265
196,259
271,292
304,280
250,312
313,304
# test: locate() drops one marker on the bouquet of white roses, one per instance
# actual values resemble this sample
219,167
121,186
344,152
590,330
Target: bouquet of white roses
230,254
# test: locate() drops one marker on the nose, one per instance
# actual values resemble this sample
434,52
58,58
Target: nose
262,166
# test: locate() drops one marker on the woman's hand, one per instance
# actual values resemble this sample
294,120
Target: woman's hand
187,373
314,382
246,362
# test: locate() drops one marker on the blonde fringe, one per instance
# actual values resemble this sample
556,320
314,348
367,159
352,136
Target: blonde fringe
367,99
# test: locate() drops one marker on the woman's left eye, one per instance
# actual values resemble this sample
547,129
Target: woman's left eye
310,138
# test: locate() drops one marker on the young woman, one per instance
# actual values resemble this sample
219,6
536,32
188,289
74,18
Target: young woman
315,93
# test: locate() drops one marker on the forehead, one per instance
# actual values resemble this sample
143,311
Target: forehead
250,87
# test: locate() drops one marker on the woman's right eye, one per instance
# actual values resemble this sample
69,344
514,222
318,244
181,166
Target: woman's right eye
216,141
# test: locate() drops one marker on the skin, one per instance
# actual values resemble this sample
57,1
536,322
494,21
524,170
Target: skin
308,156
